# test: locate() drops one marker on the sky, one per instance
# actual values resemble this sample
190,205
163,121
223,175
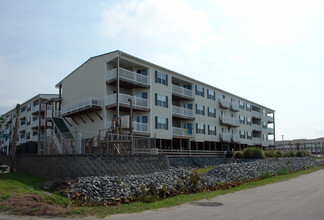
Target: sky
270,52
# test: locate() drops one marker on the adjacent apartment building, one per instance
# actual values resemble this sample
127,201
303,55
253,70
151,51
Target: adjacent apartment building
178,111
33,123
314,146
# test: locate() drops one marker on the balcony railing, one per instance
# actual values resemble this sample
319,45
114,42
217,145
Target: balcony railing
270,119
235,106
36,123
141,127
123,99
81,105
229,120
224,103
178,90
53,113
256,114
256,127
128,75
35,108
236,138
182,132
23,114
22,127
226,137
22,140
9,119
183,112
270,130
256,140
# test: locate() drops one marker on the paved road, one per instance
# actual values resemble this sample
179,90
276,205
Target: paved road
298,198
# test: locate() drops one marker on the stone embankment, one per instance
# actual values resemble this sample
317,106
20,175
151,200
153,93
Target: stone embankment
179,179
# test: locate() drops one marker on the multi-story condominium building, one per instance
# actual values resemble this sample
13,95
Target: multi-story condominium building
32,123
180,112
312,145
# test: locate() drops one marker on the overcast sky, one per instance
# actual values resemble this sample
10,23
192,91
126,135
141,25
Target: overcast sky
270,52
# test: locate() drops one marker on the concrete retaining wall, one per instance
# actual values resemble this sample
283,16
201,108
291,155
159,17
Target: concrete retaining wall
61,166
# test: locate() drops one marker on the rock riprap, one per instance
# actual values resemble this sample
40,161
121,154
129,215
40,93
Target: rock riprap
103,189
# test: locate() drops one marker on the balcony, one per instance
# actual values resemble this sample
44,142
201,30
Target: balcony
23,114
22,140
256,114
35,109
270,130
182,93
256,127
138,103
182,113
182,132
128,79
270,119
53,113
22,127
226,120
235,107
141,127
270,142
81,106
223,103
9,119
236,138
256,141
36,123
225,137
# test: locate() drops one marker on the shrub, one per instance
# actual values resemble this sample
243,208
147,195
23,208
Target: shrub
283,171
290,154
194,179
269,153
238,154
279,153
266,175
253,153
229,154
300,154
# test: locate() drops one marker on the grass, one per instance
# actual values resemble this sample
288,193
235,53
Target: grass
24,183
202,170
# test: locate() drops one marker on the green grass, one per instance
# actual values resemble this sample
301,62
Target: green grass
202,170
24,183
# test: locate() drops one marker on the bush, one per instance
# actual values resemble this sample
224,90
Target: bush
270,153
253,153
238,154
279,153
266,175
302,153
283,171
229,154
290,154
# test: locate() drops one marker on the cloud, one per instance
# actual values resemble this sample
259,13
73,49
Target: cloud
269,23
171,22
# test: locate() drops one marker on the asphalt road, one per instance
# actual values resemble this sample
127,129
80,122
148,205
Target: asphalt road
298,198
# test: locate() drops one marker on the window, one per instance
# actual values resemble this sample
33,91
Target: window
22,123
187,87
142,119
28,107
222,113
187,106
142,95
187,126
161,123
248,107
223,97
224,130
212,112
35,103
161,100
248,121
28,121
242,134
241,104
200,128
200,109
249,135
211,130
242,119
142,72
265,137
161,78
23,109
35,118
264,124
27,135
35,133
200,90
263,112
211,94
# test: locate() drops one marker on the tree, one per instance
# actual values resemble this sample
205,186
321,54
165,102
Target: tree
13,142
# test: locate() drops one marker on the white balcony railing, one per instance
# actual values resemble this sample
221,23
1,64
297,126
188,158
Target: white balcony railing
36,108
23,114
81,105
235,106
36,123
141,127
22,127
229,120
128,75
256,140
22,140
270,119
123,99
256,127
182,91
225,137
256,114
53,113
182,132
236,138
270,130
182,111
224,103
